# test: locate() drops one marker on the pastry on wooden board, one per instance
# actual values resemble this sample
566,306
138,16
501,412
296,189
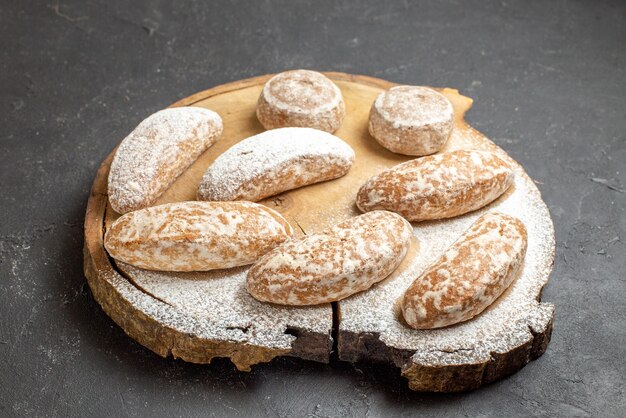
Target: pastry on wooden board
320,268
156,152
469,276
411,120
196,236
438,186
301,98
273,162
167,308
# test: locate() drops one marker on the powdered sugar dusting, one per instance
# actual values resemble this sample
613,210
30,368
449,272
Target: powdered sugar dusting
273,162
504,323
301,98
155,153
469,275
196,236
302,91
438,186
411,120
223,310
194,302
414,106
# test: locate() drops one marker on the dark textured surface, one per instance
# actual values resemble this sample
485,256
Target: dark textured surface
549,84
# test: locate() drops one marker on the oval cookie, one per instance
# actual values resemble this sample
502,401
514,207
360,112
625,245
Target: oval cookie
411,120
301,98
438,186
153,155
333,265
273,162
196,236
469,276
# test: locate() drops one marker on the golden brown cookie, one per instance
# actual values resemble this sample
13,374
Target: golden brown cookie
411,120
438,186
156,152
273,162
469,276
330,266
196,236
301,98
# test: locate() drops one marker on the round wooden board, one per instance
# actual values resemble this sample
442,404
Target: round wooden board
199,316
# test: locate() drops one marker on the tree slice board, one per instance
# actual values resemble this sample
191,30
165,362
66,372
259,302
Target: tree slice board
200,316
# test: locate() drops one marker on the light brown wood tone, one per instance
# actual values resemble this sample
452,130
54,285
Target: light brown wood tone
167,329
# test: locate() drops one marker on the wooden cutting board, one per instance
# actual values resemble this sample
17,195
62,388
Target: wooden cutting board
199,316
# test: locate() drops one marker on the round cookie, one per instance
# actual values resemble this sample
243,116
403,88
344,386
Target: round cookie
411,120
301,98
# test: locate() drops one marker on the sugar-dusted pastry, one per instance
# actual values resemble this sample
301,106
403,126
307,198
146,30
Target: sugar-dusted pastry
301,98
319,268
273,162
156,152
438,186
196,236
411,120
469,276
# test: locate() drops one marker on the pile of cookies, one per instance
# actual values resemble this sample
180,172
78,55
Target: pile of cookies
301,110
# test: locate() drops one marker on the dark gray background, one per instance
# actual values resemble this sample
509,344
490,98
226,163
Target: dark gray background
549,84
